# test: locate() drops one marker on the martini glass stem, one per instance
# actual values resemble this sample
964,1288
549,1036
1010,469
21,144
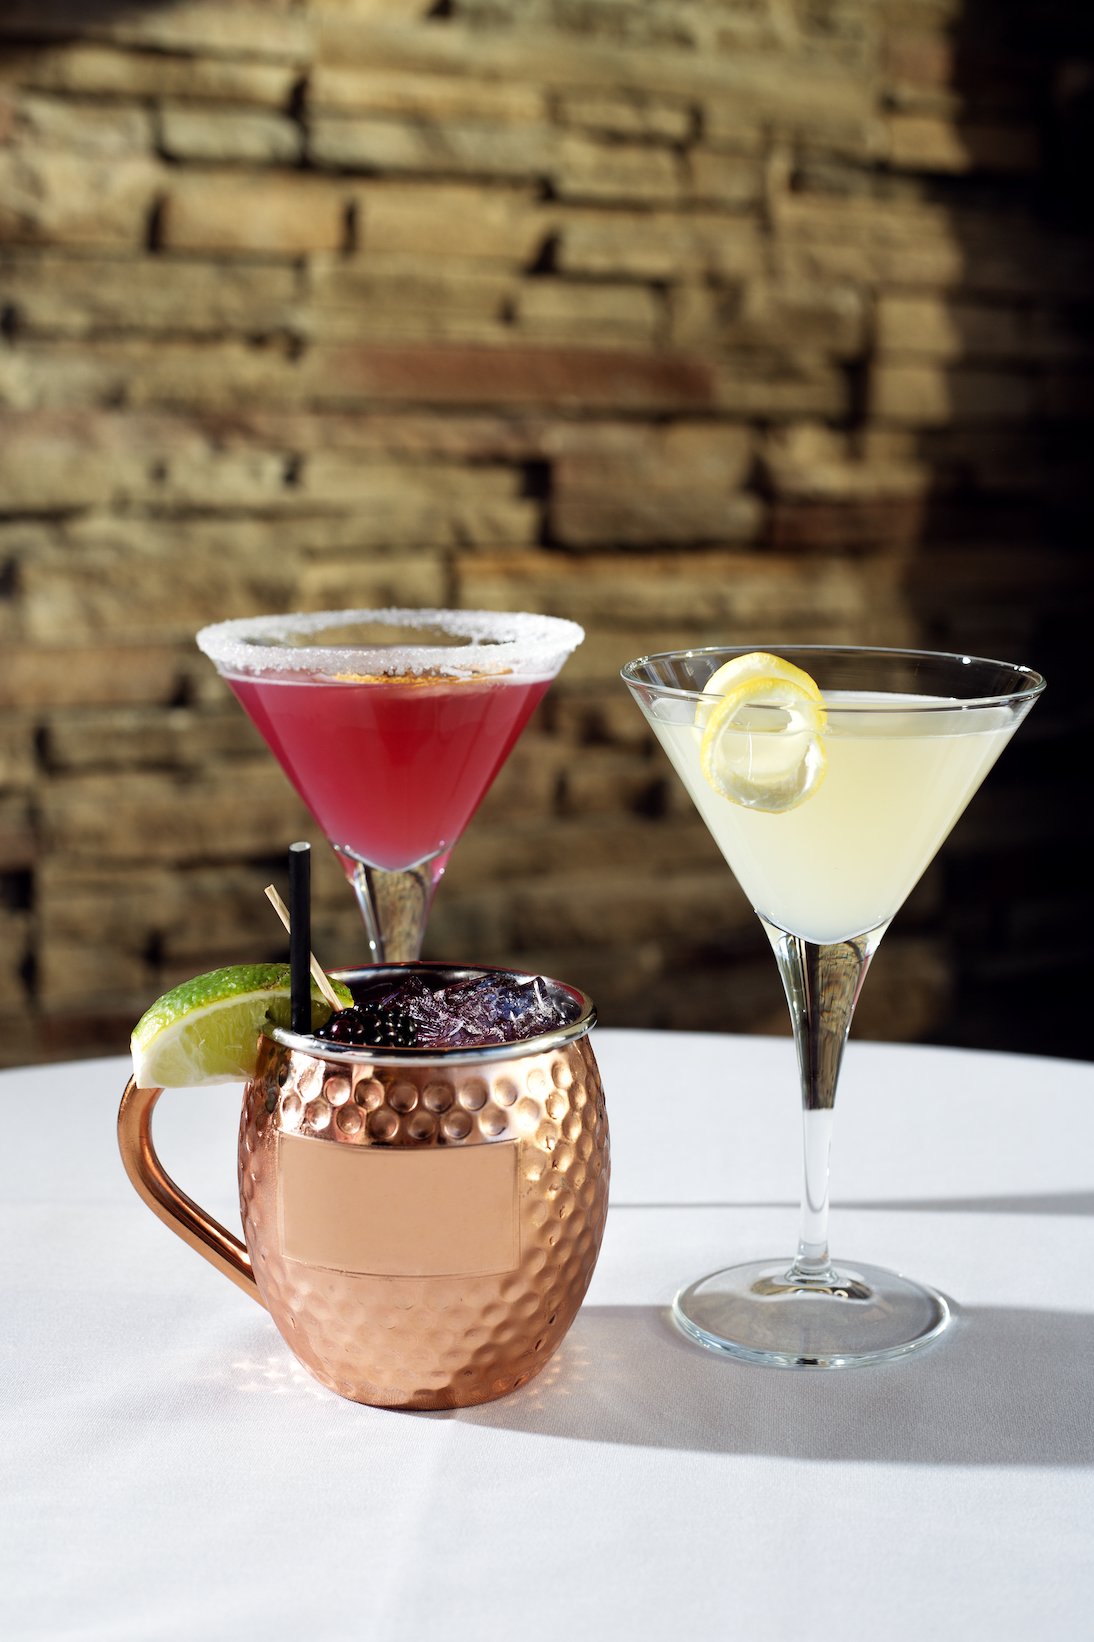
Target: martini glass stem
394,906
822,985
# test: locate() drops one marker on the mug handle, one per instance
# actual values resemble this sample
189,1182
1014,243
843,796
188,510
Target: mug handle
184,1217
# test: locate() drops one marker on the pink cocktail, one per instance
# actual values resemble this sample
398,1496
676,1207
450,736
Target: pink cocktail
391,725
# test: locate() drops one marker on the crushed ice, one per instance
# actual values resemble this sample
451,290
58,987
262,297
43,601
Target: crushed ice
480,1009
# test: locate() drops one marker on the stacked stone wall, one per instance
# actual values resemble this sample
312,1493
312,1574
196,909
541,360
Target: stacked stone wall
694,320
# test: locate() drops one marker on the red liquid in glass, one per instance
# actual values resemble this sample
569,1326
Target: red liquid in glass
392,769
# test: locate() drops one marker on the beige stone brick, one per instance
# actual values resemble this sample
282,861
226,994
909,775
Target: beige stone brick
210,818
208,478
345,478
140,737
54,294
438,98
781,386
906,1000
228,134
337,537
717,178
627,510
808,462
683,598
598,717
18,832
497,849
532,54
849,524
198,375
929,264
921,395
772,313
48,464
598,311
622,115
912,245
733,129
407,504
483,436
615,172
527,783
923,142
186,26
109,579
786,93
285,212
414,579
93,130
52,674
573,909
409,297
374,143
103,977
654,245
502,224
81,68
51,196
395,318
863,222
609,782
18,756
919,56
859,144
948,328
134,903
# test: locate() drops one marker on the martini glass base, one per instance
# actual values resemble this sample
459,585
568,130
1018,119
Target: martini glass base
853,1316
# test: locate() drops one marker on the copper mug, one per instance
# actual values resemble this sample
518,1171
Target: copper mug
421,1225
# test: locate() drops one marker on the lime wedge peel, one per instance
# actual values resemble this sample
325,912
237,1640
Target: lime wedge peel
761,733
206,1030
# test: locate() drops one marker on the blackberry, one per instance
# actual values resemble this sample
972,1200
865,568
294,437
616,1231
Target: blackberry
371,1026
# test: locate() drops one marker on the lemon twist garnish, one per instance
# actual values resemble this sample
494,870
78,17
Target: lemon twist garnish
761,740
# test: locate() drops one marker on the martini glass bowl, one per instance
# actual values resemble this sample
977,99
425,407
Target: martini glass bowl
391,725
827,819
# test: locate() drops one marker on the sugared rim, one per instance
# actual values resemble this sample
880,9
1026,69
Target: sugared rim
1032,687
513,643
542,1044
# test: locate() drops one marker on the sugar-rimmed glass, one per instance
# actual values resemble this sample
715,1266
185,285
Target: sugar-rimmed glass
391,725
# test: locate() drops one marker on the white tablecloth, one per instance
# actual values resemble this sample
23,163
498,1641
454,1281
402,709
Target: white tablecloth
168,1472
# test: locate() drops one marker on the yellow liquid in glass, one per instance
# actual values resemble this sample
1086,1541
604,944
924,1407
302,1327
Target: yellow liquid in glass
898,777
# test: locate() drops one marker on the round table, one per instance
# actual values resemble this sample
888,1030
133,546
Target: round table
170,1472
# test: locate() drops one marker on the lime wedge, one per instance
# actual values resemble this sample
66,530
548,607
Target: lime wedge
207,1030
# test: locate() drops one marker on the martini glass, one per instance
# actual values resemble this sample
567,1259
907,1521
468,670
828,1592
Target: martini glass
866,796
391,725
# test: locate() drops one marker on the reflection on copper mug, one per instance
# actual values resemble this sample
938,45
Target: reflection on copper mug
421,1225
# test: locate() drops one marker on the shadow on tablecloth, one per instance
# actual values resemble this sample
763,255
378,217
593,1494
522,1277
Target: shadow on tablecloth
1005,1386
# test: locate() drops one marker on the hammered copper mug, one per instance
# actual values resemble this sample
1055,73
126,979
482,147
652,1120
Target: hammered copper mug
421,1225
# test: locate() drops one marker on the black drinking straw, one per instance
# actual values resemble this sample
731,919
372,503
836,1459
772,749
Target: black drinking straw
300,937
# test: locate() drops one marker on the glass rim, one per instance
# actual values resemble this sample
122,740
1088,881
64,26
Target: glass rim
505,643
542,1043
1029,692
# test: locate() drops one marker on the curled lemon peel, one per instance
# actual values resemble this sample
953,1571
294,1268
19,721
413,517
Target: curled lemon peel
761,725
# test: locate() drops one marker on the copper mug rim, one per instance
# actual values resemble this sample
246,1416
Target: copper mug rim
542,1043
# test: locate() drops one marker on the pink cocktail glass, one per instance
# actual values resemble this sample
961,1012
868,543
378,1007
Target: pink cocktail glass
391,725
